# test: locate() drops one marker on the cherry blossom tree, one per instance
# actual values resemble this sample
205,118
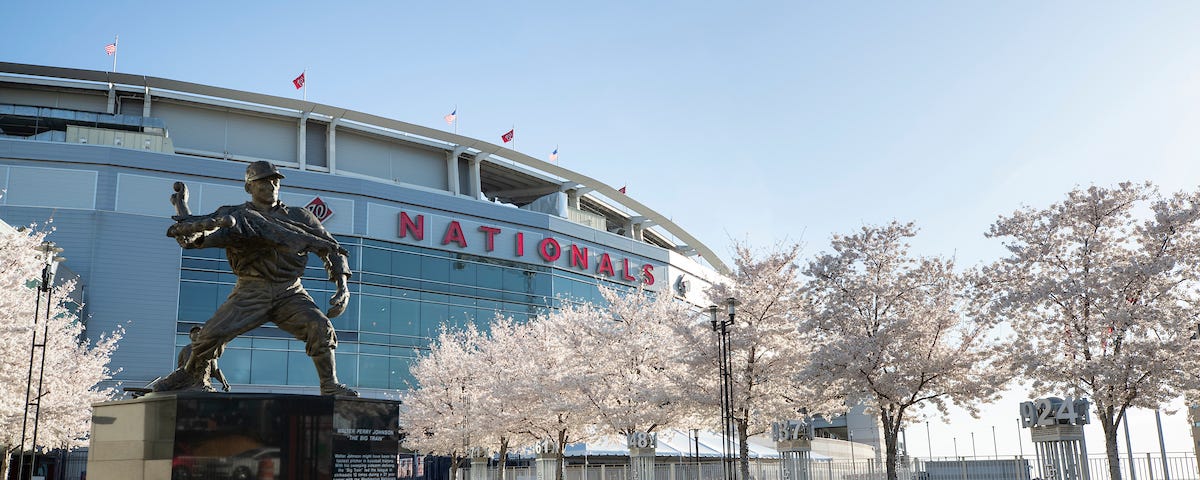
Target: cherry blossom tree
538,403
442,412
766,353
1103,287
890,331
74,367
628,364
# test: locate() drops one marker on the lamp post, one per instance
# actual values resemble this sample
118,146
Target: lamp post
50,260
696,449
721,327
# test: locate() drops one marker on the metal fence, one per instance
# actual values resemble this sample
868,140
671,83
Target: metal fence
1181,466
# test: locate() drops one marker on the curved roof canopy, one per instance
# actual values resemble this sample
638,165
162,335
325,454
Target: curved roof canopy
520,181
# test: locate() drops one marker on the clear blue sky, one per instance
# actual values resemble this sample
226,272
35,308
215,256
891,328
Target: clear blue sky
760,120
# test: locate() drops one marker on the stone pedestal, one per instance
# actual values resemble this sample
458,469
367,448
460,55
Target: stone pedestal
796,458
192,435
1061,451
641,463
479,468
546,465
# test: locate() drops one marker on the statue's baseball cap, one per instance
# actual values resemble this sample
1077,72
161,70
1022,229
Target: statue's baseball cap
261,169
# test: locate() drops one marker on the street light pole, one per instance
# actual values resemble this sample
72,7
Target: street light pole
50,263
721,327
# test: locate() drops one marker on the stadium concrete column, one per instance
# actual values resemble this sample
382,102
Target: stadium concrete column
302,141
146,103
452,169
476,185
112,98
330,149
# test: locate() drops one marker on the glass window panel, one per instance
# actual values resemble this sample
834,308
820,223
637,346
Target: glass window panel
268,367
198,275
461,316
435,297
235,364
347,347
462,272
583,291
540,284
433,315
270,343
300,370
374,371
562,287
223,291
406,317
408,344
400,378
376,314
197,301
239,342
406,282
489,276
516,281
200,264
406,264
375,279
374,349
181,339
347,368
368,338
376,260
376,290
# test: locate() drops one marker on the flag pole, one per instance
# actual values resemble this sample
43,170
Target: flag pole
304,87
116,51
455,118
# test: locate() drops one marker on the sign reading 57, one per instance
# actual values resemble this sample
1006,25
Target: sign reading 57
1055,411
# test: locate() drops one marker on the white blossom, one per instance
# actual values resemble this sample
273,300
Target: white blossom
1102,286
74,367
889,332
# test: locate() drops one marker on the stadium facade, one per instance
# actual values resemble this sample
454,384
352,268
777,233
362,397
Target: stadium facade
441,228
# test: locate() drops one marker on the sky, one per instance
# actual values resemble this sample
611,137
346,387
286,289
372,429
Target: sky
781,121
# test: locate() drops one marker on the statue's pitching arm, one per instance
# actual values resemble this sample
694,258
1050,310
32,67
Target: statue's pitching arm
188,226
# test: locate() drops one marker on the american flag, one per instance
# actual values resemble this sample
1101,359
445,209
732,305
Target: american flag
110,49
299,81
554,155
507,137
451,117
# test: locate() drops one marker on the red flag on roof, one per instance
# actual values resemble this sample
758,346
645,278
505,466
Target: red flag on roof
299,81
622,189
507,137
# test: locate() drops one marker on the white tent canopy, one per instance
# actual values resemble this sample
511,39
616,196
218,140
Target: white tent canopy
677,443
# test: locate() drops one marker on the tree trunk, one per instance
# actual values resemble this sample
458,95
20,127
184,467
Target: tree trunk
891,430
5,463
743,447
454,461
558,462
1107,416
503,456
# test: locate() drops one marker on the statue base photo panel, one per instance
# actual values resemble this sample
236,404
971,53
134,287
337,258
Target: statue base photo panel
196,435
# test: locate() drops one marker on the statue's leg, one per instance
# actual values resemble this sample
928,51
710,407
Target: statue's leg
244,310
300,316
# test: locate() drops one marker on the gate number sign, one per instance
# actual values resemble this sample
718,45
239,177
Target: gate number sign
1055,411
